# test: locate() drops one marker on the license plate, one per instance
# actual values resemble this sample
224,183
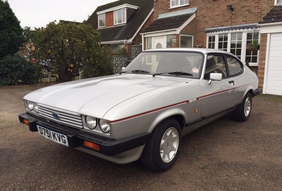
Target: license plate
53,136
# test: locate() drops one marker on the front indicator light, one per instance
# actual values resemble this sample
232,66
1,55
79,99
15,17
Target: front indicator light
25,121
91,145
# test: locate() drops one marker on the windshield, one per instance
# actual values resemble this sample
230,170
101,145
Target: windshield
184,64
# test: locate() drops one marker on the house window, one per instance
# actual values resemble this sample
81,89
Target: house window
149,43
236,44
223,42
169,41
102,20
186,41
119,16
251,51
178,3
211,42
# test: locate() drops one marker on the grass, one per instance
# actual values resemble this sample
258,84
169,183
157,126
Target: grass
272,98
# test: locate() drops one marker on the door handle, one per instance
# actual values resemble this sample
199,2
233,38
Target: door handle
232,82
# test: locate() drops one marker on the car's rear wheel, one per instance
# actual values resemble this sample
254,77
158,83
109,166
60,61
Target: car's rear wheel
243,111
161,150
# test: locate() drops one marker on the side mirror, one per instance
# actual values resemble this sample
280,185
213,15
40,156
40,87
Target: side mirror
215,77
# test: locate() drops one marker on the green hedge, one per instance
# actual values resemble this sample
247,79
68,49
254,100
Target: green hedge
16,70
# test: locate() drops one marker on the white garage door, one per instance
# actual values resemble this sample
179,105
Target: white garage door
274,70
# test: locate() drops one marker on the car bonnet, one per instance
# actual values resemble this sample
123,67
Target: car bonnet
96,96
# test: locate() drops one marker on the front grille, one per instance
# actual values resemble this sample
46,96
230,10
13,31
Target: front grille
64,118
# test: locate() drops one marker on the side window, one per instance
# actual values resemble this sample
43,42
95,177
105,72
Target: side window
234,66
215,64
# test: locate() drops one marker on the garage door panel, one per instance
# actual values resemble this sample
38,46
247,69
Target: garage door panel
274,69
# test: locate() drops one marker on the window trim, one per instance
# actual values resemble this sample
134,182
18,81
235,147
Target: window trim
123,19
176,6
181,35
99,26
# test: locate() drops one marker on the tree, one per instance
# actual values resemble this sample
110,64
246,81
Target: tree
13,68
11,38
70,45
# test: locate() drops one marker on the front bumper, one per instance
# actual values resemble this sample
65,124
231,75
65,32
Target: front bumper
76,137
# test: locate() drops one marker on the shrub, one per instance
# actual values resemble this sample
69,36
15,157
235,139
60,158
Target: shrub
101,67
15,70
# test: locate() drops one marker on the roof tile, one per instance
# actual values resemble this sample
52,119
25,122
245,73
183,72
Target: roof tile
273,16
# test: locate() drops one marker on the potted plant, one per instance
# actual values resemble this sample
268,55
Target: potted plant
253,46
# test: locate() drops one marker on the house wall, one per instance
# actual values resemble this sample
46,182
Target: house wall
262,57
214,13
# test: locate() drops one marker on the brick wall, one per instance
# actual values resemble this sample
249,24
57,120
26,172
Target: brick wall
214,13
262,57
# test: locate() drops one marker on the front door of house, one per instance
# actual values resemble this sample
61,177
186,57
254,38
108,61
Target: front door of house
159,42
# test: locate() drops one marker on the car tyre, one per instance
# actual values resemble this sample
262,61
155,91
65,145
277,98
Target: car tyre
162,149
243,111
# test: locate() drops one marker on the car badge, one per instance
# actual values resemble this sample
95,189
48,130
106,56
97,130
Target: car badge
55,115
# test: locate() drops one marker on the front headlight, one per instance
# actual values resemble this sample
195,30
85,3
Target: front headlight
31,106
91,122
105,126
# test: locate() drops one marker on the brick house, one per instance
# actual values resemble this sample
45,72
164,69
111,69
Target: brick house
120,23
221,24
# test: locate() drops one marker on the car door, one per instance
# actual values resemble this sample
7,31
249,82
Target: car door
217,96
235,70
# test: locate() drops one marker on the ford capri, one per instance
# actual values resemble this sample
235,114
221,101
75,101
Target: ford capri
143,112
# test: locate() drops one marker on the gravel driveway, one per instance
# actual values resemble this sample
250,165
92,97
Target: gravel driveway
224,155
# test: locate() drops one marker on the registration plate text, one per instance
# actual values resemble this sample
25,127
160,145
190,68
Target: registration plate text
52,135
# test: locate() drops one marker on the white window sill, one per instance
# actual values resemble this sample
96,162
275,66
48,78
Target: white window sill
253,64
178,6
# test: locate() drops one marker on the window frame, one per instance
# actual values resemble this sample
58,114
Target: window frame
178,4
99,26
189,36
224,62
116,16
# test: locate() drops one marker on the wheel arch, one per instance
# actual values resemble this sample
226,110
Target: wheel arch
249,90
176,113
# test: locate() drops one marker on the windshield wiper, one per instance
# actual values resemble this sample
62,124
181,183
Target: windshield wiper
174,73
140,71
135,71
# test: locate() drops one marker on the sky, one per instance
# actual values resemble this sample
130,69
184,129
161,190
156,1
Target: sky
38,13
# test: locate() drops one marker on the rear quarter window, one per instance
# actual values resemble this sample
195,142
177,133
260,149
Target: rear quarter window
235,67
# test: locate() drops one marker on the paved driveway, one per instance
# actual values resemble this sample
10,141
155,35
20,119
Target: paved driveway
225,155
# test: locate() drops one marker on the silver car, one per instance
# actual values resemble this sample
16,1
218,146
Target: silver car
143,112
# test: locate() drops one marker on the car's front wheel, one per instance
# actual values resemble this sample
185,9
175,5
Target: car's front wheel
162,149
243,111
